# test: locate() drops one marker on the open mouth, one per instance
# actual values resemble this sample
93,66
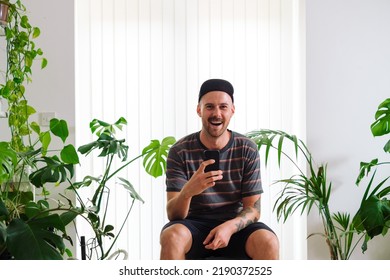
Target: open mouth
215,122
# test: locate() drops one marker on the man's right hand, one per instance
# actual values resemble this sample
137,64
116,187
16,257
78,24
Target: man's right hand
178,203
201,180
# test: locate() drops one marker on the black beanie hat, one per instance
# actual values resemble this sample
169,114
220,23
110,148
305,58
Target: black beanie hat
216,85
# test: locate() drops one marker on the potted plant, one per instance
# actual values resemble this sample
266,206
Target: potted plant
374,211
18,153
31,225
94,209
310,189
4,7
31,229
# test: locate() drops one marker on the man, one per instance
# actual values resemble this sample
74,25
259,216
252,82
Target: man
215,213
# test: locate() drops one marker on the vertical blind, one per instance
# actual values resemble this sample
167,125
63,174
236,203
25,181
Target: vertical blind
145,60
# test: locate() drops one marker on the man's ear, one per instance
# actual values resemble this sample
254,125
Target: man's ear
198,110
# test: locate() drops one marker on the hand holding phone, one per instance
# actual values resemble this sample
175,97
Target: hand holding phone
212,154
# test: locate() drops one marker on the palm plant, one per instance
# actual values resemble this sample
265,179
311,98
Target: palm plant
311,188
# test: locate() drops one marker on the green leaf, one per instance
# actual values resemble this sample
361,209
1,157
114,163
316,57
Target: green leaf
33,209
69,216
365,168
36,32
381,126
3,209
101,127
45,139
35,127
155,155
59,128
280,148
108,145
53,171
87,148
43,63
3,236
108,228
386,148
342,219
8,162
69,155
374,214
128,186
36,240
24,22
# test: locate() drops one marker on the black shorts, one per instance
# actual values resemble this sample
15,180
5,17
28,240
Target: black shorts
201,228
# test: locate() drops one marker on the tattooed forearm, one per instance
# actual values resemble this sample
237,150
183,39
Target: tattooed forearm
245,212
242,224
258,205
249,215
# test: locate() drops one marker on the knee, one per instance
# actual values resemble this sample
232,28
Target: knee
272,245
175,234
263,244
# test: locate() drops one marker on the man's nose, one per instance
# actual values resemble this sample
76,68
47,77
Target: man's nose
217,112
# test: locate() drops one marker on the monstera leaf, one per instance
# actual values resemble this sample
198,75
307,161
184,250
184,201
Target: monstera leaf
381,126
53,171
36,240
375,214
155,155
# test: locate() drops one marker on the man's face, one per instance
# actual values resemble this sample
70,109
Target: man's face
216,109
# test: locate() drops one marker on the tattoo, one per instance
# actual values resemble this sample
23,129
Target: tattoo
245,221
244,212
258,205
240,225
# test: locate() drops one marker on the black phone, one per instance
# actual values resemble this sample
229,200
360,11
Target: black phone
212,154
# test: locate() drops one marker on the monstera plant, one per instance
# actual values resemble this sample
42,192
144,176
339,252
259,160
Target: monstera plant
34,222
36,229
374,212
94,209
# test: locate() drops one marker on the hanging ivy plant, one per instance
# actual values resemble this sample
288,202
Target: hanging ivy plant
21,53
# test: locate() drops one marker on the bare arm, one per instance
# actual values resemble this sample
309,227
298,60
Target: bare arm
178,203
219,237
250,212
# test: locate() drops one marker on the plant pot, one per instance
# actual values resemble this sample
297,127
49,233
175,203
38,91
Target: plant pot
4,7
20,184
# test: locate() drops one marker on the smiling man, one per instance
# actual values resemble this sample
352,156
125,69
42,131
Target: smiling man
215,213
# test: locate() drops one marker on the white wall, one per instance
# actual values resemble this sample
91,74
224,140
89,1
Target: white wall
348,75
53,88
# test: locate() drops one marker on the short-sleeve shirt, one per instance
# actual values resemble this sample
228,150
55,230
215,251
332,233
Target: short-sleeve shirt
240,163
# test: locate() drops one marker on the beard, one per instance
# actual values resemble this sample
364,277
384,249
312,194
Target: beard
215,127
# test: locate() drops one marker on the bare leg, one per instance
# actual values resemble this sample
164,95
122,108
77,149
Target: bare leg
175,241
262,245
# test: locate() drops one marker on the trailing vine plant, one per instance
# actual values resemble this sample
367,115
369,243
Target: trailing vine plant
21,52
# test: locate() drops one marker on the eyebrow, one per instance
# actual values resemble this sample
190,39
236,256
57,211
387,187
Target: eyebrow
224,103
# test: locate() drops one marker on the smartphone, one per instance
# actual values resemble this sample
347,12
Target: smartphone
212,154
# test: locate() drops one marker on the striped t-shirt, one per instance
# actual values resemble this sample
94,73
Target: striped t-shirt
240,163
